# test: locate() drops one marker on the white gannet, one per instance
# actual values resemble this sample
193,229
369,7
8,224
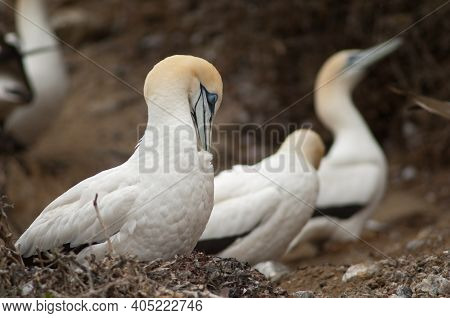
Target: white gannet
14,90
259,209
353,174
45,70
157,203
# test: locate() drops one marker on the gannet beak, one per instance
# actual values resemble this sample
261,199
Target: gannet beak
365,58
16,94
202,115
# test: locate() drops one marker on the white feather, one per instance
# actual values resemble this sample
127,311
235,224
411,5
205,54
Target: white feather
265,205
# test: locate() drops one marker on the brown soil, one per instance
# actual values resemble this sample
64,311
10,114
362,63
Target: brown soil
268,54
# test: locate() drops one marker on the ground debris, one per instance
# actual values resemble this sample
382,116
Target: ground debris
196,275
405,276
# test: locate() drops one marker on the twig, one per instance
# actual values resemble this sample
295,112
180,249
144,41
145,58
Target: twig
6,234
110,247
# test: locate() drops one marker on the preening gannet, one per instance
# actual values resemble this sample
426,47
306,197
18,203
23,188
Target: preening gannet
259,209
353,173
45,71
156,204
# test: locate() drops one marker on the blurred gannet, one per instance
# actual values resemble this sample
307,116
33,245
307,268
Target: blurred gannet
14,89
157,203
353,173
45,71
259,209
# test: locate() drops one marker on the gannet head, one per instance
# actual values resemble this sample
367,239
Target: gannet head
13,82
13,91
191,78
346,68
307,144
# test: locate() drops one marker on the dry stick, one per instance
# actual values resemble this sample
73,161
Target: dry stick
110,247
6,233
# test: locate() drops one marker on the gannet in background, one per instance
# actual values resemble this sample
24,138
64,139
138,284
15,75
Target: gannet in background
14,89
353,174
157,203
45,70
259,209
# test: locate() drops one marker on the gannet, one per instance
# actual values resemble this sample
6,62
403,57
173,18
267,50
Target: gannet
353,174
259,209
45,70
156,204
14,89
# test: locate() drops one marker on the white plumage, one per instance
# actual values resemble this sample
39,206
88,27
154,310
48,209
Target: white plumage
353,173
259,209
157,203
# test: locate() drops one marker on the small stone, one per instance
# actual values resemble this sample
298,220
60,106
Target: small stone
303,294
414,244
360,271
434,285
272,270
399,276
408,173
27,288
404,291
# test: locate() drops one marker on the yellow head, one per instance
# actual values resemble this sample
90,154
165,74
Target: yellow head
187,77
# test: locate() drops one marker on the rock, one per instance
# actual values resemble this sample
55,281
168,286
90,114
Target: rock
27,288
434,285
151,41
408,173
303,294
414,244
404,291
399,276
272,270
360,271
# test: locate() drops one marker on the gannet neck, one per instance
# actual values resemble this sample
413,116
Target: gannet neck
335,108
45,71
304,144
33,25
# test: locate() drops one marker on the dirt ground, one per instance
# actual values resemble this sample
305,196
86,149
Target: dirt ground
268,54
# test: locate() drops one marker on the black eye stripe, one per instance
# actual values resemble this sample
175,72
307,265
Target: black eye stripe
211,98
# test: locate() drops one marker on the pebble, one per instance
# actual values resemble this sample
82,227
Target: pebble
360,271
399,275
27,288
414,244
404,291
434,285
272,270
303,294
408,173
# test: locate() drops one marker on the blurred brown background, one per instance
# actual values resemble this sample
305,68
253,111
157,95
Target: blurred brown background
268,53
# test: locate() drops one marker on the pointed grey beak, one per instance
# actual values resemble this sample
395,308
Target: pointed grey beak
202,115
367,57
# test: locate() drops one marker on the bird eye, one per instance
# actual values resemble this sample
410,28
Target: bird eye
212,98
352,59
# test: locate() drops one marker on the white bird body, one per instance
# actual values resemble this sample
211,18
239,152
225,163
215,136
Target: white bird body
353,174
45,70
157,203
259,209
